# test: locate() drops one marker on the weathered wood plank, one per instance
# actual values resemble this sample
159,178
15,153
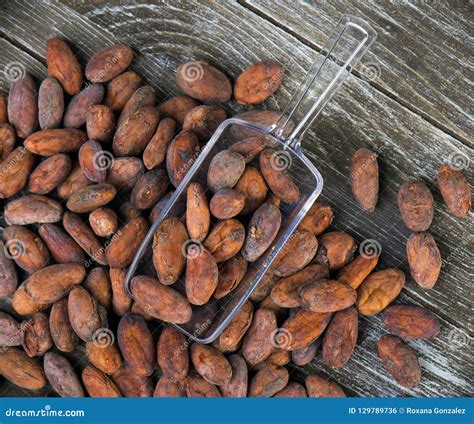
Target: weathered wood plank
422,56
411,147
15,62
358,116
446,358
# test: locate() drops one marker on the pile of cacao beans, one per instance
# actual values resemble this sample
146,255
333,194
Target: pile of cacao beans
87,163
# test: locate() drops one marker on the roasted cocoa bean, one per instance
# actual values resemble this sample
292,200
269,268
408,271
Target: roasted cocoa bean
227,203
415,202
136,344
169,242
296,254
268,381
237,386
98,284
121,301
230,275
225,240
292,390
400,361
319,386
230,338
249,148
120,89
142,97
53,282
134,132
340,338
212,365
78,108
32,209
258,82
336,249
303,328
64,66
160,301
25,248
50,104
83,312
18,368
197,387
73,182
8,274
7,140
181,155
169,388
93,161
202,81
37,338
356,271
62,247
317,219
61,376
262,230
225,170
124,172
378,290
103,222
365,178
23,106
177,108
103,353
11,332
155,151
98,384
54,141
258,342
455,189
201,275
413,322
203,121
49,174
131,384
125,243
326,296
424,259
275,171
150,187
14,172
173,354
198,217
108,63
100,123
253,187
62,332
285,291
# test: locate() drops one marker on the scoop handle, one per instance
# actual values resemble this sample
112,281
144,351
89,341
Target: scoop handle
342,51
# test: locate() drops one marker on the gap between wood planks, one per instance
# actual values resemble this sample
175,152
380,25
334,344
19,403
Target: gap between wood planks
18,44
22,47
417,111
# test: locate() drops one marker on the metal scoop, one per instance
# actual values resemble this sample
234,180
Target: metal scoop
341,53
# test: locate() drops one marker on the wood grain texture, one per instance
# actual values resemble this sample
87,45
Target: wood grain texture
421,57
360,115
446,358
16,62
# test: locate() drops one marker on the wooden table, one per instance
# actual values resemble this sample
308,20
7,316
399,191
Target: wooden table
409,100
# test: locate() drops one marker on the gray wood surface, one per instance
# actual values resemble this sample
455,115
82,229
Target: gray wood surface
412,115
422,57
